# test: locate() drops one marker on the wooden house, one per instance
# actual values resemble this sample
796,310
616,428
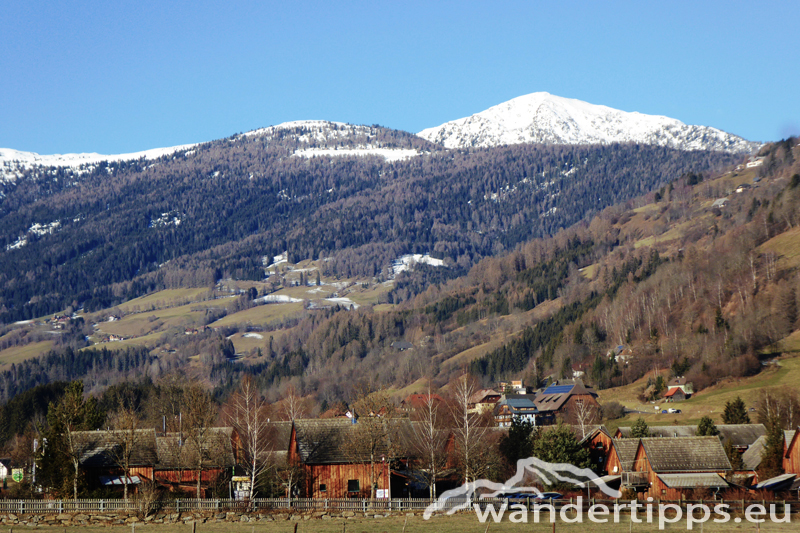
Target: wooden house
621,457
741,436
510,408
335,464
791,452
484,401
562,399
598,442
671,468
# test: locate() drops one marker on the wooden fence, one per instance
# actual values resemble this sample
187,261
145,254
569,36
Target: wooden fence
344,504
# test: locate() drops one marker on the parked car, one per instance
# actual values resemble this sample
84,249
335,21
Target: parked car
674,411
517,495
664,412
549,496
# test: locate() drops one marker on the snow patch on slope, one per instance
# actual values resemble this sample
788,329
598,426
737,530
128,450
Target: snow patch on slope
545,118
389,154
14,162
406,262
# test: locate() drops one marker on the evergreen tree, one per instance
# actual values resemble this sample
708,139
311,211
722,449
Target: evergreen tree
706,427
735,412
517,443
639,429
772,456
62,452
559,445
733,456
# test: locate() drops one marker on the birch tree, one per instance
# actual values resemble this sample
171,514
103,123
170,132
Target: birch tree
247,413
467,429
430,440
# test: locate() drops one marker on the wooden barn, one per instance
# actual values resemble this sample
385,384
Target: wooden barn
671,468
103,456
598,442
791,455
335,457
180,458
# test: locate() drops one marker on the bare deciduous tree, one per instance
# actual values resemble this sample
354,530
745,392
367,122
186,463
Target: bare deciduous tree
293,405
200,415
247,413
372,433
430,440
128,436
467,428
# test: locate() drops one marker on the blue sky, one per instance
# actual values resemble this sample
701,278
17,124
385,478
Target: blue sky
113,77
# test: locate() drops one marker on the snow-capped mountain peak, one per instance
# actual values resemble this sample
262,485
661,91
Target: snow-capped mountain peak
545,118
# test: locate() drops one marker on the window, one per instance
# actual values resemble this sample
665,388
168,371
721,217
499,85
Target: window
353,486
323,487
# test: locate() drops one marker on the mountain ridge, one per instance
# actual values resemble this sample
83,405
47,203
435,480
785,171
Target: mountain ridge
545,118
538,117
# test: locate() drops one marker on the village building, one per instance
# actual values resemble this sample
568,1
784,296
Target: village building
103,456
741,436
484,401
413,402
566,400
671,468
333,465
510,408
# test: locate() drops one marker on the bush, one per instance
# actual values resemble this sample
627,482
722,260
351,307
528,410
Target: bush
612,410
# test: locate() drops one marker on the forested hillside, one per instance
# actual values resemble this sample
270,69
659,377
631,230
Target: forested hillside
98,236
671,279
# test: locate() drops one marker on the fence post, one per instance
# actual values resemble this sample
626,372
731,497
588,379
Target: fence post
61,506
178,505
102,505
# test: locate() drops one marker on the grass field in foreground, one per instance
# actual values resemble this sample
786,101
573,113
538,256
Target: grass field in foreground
462,523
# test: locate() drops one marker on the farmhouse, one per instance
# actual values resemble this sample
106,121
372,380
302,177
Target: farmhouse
565,399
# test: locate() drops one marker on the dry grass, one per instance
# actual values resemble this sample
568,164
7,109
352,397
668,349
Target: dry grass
17,354
165,298
787,246
261,315
461,523
503,328
708,402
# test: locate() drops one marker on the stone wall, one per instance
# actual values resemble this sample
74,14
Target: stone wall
113,519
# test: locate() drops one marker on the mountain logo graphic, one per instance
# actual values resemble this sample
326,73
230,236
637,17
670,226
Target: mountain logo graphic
531,468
